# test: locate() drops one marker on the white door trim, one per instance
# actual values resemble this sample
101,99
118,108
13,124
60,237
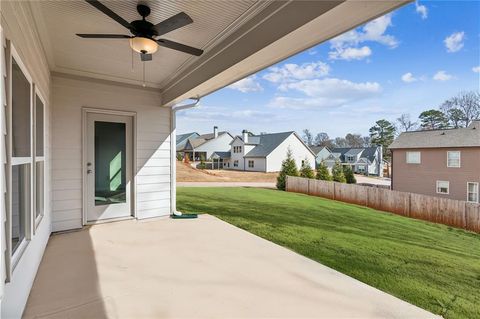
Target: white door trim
133,115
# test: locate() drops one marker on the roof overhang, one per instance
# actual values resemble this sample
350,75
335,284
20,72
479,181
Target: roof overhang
257,35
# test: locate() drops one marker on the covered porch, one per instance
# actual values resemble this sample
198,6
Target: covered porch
77,110
202,268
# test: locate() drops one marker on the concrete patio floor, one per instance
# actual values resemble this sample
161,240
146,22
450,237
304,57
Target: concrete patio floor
201,268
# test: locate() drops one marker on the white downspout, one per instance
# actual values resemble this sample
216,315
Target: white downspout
173,151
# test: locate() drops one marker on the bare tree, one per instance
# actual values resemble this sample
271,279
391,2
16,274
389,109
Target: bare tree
322,139
462,109
405,124
307,137
354,140
340,142
366,141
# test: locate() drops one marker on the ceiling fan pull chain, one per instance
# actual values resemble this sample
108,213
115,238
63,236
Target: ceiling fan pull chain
143,74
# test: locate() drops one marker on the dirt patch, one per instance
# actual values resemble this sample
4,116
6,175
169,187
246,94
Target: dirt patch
186,173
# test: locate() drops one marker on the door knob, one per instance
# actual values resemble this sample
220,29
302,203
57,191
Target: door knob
89,171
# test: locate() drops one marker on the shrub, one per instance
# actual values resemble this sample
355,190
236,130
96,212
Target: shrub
323,173
202,164
179,157
349,177
337,173
289,168
306,170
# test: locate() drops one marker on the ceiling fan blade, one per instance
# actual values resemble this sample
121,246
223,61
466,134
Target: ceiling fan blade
103,36
145,57
110,13
179,47
177,21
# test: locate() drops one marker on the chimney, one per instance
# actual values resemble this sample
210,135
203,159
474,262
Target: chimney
245,136
215,131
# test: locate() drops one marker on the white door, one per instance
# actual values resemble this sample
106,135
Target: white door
108,166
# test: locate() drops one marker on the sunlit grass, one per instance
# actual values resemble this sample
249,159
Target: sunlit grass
432,266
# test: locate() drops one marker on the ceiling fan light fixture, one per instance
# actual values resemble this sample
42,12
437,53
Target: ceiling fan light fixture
143,45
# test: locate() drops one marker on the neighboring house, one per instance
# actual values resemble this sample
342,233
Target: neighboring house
444,163
363,160
321,153
266,152
182,139
88,135
203,146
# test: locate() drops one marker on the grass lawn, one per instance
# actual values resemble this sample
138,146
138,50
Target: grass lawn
432,266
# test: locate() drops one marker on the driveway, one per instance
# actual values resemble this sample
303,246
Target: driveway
226,184
201,268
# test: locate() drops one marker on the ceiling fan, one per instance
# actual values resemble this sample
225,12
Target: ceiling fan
144,34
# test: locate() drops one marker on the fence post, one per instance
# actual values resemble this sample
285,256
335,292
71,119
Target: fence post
464,221
334,190
286,183
409,206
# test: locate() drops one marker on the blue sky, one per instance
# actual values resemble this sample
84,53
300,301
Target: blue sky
405,62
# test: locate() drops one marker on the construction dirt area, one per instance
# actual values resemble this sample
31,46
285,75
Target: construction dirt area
186,173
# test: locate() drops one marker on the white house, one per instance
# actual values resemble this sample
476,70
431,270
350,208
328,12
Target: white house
265,152
363,160
87,122
203,146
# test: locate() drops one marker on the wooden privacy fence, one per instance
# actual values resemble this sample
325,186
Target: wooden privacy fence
449,212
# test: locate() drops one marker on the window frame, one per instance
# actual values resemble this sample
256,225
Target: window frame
235,163
468,192
419,157
37,220
251,162
13,258
448,187
459,159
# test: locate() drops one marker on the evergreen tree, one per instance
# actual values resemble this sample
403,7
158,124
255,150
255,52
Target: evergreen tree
323,173
433,120
202,162
289,168
349,176
382,133
337,173
306,170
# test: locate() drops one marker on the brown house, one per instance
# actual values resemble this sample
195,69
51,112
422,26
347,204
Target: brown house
444,163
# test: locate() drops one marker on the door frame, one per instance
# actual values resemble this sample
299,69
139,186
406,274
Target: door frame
133,188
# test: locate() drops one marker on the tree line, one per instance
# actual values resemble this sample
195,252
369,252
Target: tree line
456,112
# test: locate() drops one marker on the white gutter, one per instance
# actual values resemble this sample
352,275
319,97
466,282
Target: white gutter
173,151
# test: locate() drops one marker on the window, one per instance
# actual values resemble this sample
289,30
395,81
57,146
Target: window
414,158
443,187
237,149
361,168
472,192
235,163
250,163
20,183
453,159
350,159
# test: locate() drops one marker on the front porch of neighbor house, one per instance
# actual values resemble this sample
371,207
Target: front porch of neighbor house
87,129
202,268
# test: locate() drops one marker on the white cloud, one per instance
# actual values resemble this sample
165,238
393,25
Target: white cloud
350,53
421,9
373,31
454,42
442,76
291,72
248,84
408,78
476,69
207,113
330,92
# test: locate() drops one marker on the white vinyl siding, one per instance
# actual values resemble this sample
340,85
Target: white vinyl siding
443,187
152,171
413,157
472,192
453,159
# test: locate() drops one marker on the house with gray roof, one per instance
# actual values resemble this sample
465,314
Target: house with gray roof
443,163
363,160
203,146
182,139
265,152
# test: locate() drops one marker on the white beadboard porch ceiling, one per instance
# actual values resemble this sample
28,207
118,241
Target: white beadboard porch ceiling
59,21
